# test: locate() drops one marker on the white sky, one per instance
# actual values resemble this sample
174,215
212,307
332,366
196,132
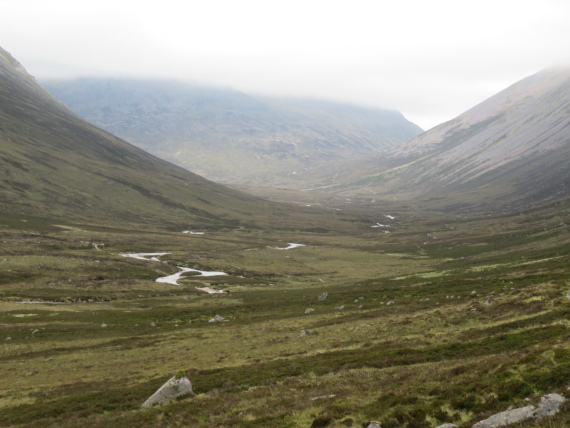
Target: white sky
429,59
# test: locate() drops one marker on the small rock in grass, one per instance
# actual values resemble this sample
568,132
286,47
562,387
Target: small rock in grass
309,310
152,324
340,307
447,426
175,387
103,325
323,297
217,318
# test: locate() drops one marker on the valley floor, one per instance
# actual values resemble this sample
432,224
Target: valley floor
444,319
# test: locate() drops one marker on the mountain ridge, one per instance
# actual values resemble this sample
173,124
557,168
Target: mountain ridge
232,137
54,162
515,135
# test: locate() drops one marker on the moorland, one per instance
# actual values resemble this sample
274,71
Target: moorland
437,309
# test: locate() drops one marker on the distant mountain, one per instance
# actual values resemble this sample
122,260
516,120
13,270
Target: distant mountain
228,136
53,163
515,145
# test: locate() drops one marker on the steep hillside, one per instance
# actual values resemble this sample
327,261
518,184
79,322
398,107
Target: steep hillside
228,136
54,163
514,145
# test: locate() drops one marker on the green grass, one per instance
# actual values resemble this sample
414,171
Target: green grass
480,322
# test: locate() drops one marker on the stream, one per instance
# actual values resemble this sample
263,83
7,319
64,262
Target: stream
173,279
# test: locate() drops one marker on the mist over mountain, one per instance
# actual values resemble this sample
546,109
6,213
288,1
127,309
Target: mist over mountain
515,144
52,162
232,137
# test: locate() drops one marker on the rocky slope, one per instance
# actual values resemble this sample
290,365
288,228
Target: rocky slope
516,142
228,136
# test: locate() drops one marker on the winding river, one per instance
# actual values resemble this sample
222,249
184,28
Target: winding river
173,279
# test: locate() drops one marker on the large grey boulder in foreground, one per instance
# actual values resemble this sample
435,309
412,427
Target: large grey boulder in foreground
508,417
549,406
174,388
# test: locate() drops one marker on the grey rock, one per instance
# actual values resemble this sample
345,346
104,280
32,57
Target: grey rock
152,324
173,388
373,425
103,325
323,297
447,426
549,405
341,307
309,310
304,333
508,417
217,318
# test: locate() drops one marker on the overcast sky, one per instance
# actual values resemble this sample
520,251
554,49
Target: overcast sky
431,60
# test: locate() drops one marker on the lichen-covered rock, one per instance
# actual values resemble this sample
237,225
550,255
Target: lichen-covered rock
508,417
173,388
549,405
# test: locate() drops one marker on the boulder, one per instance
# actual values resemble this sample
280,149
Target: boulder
508,417
175,387
549,405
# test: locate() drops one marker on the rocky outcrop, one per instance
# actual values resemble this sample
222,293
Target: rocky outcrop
508,417
175,387
549,406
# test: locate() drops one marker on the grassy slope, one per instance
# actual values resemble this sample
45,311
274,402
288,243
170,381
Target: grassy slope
513,147
480,322
55,163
